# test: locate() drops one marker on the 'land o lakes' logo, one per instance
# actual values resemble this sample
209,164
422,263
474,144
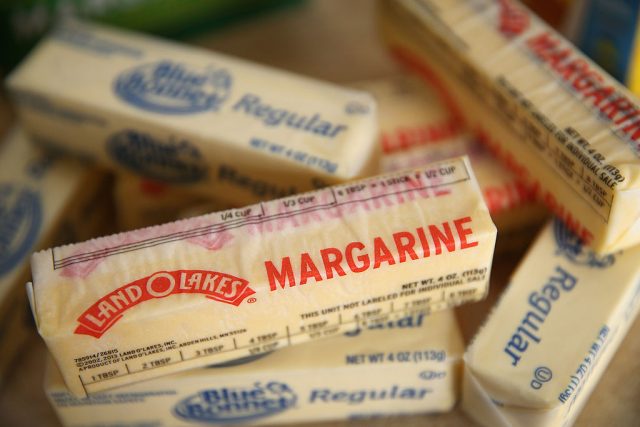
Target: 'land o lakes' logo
169,87
171,160
572,248
21,213
236,404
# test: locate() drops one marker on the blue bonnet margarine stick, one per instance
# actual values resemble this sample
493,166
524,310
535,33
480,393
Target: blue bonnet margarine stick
403,365
219,125
235,283
550,337
43,199
561,122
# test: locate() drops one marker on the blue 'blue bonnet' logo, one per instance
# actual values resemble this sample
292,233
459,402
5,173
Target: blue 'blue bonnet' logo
169,87
236,404
20,222
572,248
173,161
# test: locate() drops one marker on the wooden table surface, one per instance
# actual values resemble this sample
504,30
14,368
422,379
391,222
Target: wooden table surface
337,41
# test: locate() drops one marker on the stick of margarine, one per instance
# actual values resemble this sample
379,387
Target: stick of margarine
410,364
552,334
208,289
416,129
559,120
44,200
225,127
142,202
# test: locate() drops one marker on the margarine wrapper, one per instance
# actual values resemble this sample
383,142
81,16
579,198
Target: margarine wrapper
142,202
204,290
42,197
214,124
555,117
553,332
416,129
405,365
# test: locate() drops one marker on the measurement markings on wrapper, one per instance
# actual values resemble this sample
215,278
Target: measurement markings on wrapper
335,197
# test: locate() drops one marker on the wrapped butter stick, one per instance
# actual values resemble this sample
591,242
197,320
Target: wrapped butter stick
416,129
558,119
44,200
208,289
219,125
550,337
404,365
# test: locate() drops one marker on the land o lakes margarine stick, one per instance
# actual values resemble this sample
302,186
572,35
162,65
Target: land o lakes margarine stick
223,126
416,129
553,332
559,120
407,364
44,200
208,289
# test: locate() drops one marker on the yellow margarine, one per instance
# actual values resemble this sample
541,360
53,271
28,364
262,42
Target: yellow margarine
408,364
42,199
223,126
560,121
204,290
553,332
416,129
142,202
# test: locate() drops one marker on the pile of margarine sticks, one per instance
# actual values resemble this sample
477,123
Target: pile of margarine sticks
344,226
